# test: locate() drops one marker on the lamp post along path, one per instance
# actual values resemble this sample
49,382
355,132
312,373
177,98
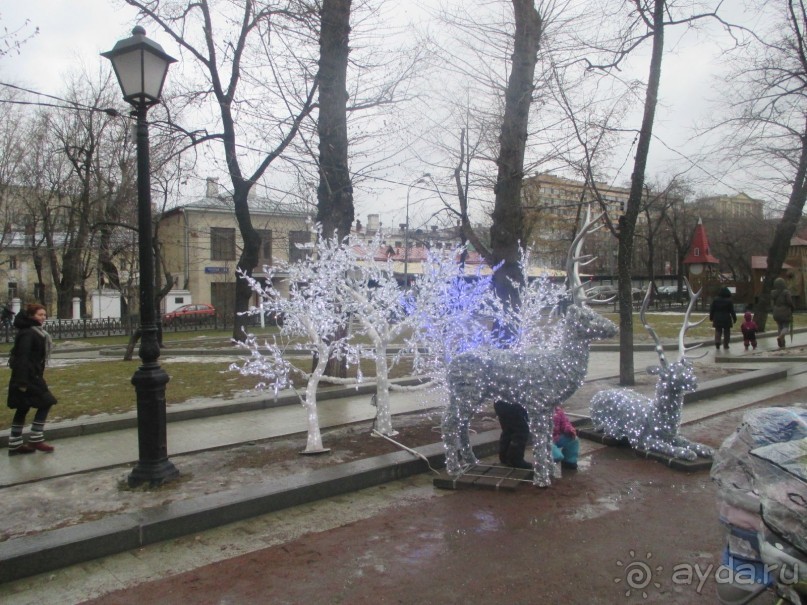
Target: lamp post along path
422,179
141,66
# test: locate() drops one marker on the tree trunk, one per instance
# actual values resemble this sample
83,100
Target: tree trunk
628,227
248,259
335,192
506,233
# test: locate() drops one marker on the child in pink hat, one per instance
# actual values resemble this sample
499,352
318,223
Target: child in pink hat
749,329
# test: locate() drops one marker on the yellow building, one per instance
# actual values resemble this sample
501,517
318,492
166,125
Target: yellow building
551,206
18,272
201,244
731,206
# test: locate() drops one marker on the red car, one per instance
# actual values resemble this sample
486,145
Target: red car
190,313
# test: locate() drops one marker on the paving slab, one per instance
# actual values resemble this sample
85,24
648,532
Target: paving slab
485,476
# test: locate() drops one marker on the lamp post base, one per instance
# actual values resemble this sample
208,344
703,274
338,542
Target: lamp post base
153,466
153,473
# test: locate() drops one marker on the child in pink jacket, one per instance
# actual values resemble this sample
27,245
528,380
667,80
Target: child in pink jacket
565,444
749,329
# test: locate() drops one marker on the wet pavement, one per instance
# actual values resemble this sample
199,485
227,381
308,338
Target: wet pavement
620,530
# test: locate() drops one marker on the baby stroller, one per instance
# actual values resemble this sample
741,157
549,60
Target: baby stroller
761,473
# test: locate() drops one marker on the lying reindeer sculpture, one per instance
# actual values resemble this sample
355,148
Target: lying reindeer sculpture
652,424
538,379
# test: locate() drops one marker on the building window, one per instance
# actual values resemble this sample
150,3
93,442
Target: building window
12,290
222,243
696,252
297,242
39,292
265,251
12,262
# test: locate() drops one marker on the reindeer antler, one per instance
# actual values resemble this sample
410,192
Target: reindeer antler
682,349
575,258
651,331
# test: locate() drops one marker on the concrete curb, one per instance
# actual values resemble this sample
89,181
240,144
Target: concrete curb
765,360
729,384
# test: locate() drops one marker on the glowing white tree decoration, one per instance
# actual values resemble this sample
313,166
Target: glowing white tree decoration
339,283
652,424
315,316
539,379
445,314
373,297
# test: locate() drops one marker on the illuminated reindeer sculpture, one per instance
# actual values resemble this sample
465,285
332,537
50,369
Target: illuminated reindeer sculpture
652,424
537,379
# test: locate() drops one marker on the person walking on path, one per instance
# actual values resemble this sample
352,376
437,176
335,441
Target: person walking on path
27,387
782,307
722,316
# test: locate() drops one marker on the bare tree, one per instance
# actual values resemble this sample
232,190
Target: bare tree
680,221
12,39
496,133
647,21
74,156
768,122
506,234
225,45
12,160
657,203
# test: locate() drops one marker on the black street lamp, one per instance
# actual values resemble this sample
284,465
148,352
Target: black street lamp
141,65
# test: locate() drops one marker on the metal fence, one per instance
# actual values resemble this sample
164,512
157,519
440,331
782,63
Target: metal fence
66,329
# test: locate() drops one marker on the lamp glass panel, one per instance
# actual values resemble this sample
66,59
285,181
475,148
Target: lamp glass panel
127,68
154,69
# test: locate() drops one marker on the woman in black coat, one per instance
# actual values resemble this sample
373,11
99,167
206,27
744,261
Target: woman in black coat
722,315
27,388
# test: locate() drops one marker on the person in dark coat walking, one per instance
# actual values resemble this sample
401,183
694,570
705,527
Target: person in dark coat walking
27,387
722,316
782,306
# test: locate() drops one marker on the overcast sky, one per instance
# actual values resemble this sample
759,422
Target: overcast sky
72,32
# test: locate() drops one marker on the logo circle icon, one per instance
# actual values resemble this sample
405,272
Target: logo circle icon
638,574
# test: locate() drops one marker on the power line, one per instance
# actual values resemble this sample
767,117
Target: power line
110,111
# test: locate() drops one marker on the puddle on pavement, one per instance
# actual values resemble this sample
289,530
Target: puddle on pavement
487,522
608,503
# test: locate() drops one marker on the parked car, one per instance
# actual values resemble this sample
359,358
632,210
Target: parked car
190,314
602,294
669,291
609,293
